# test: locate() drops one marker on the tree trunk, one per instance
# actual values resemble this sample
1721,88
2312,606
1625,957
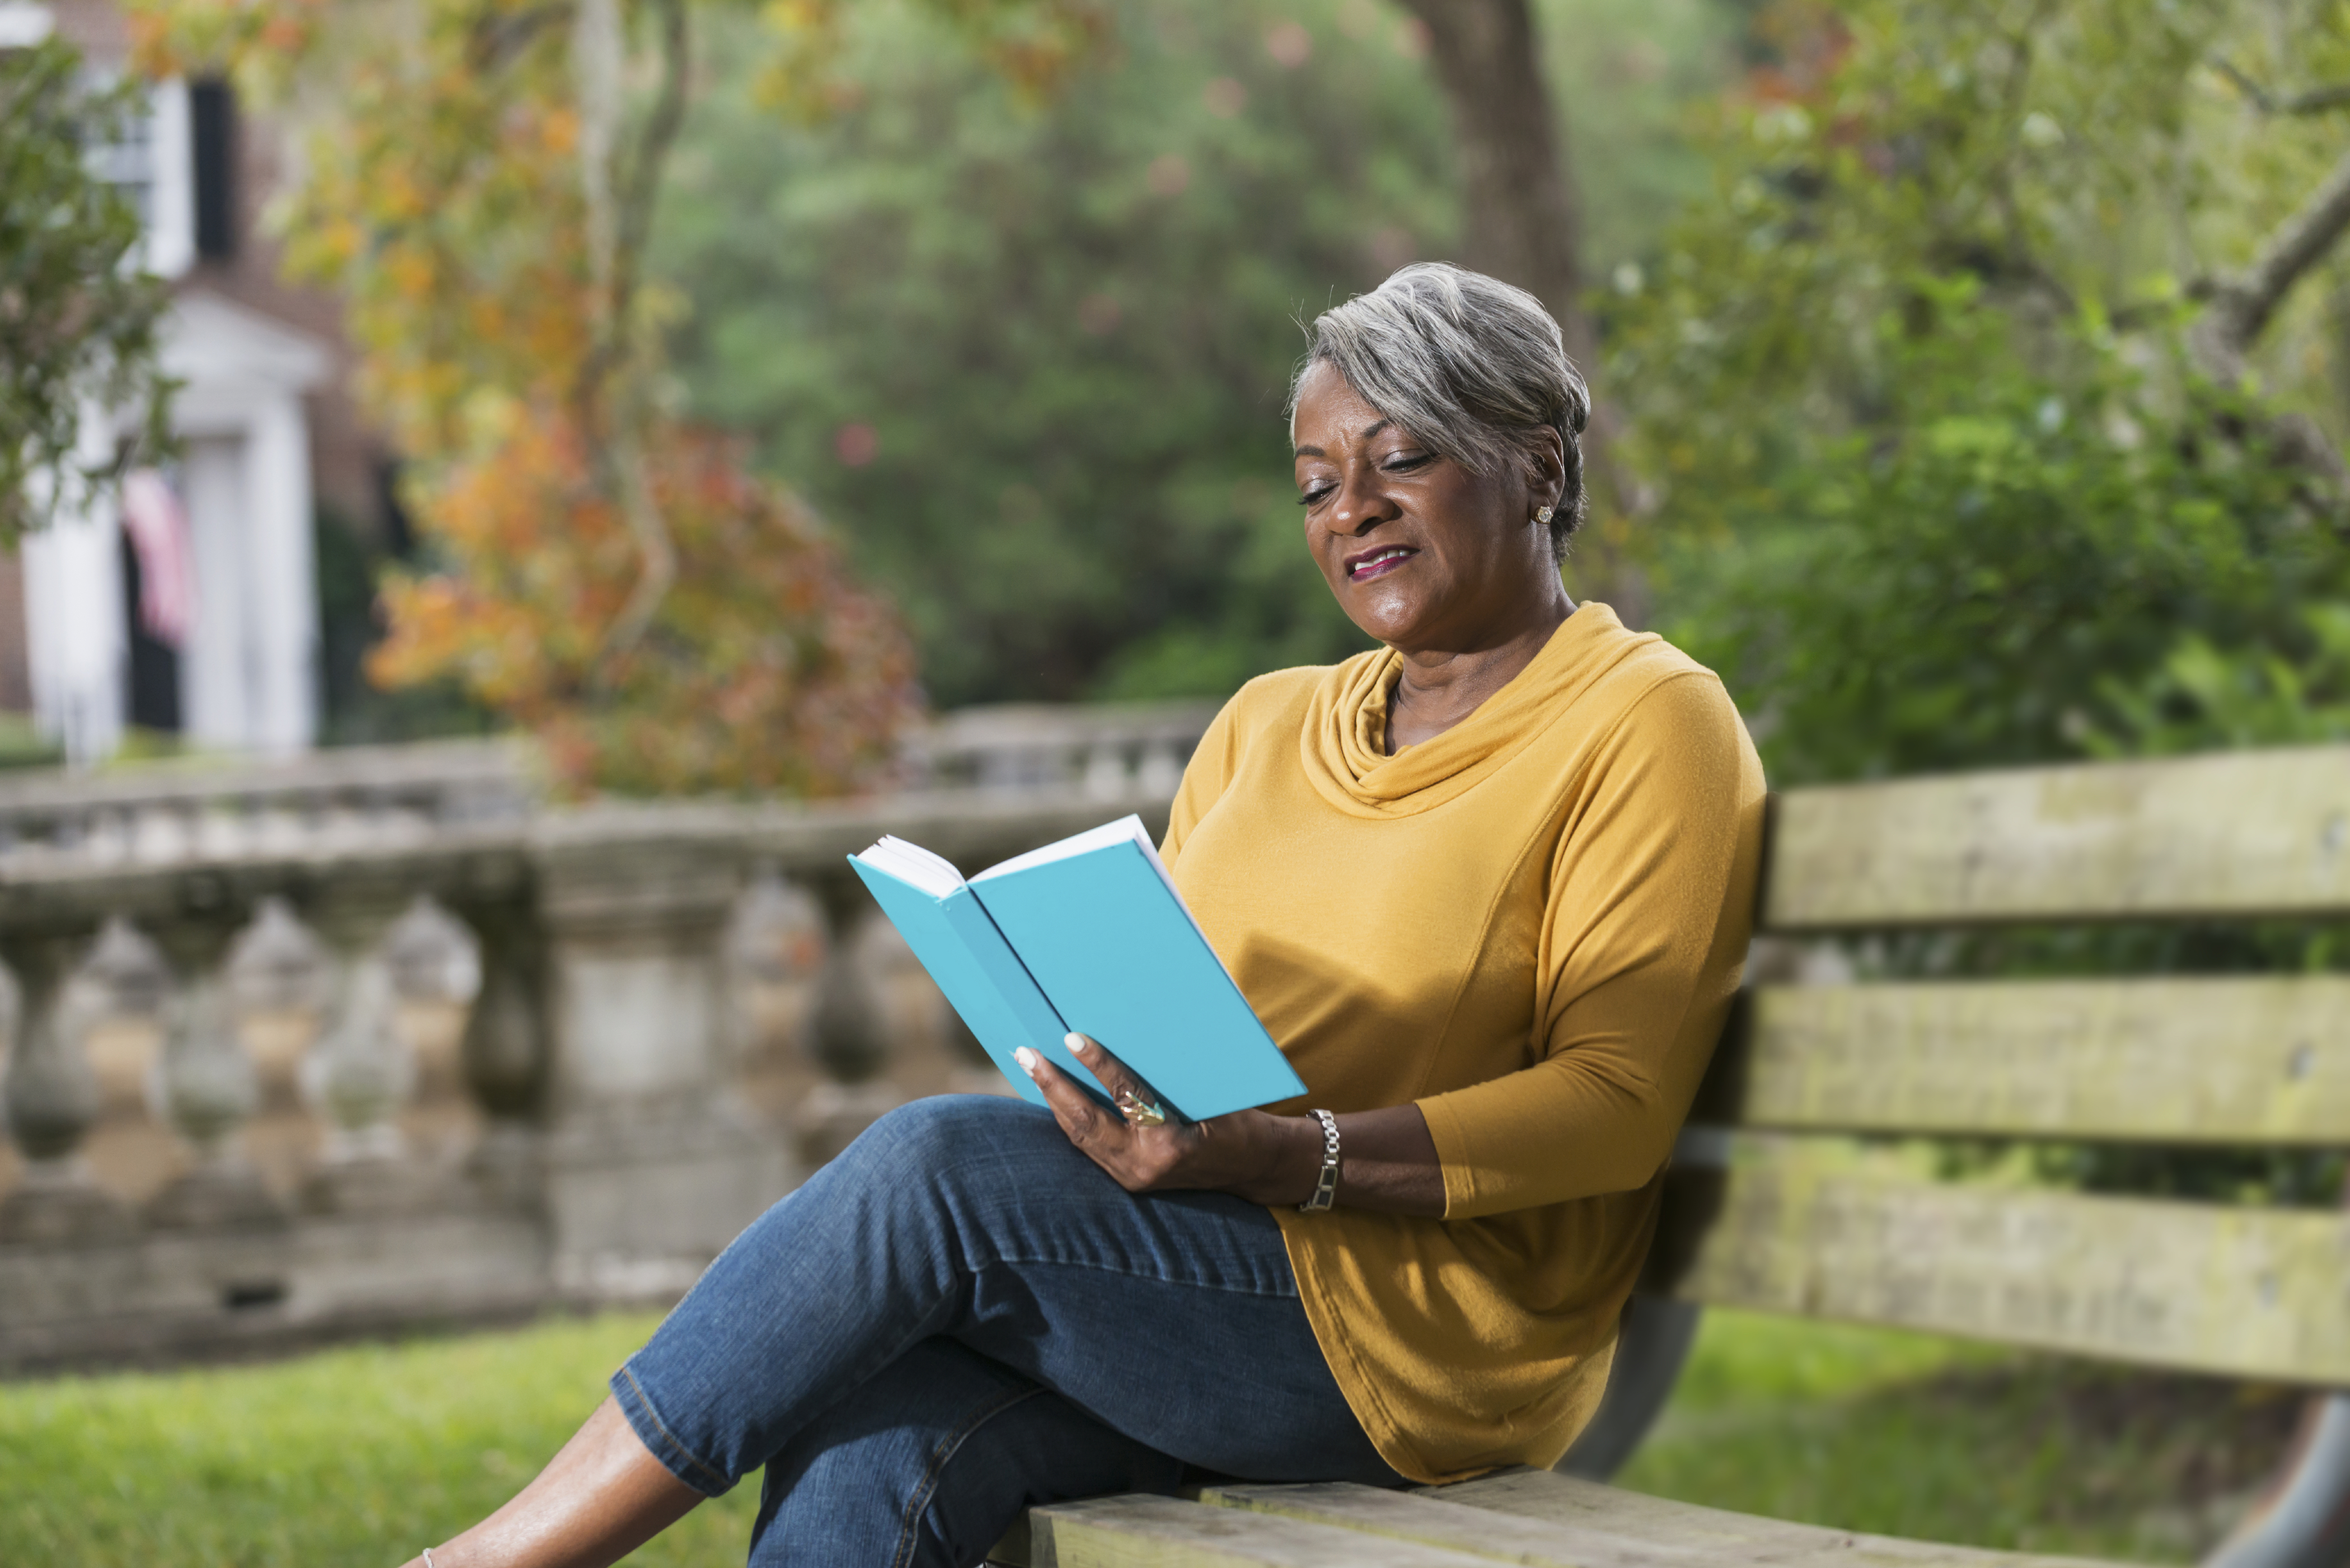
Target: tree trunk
1524,222
1524,226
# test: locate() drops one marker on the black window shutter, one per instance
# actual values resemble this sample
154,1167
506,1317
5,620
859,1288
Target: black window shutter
212,114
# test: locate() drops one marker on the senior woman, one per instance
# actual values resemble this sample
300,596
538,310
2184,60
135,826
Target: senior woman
1488,886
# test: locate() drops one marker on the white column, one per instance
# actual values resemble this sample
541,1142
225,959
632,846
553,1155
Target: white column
281,581
76,641
215,473
171,187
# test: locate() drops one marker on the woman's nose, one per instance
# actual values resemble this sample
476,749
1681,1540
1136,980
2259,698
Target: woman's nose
1360,507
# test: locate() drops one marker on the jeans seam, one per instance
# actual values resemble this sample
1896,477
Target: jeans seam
1005,1258
948,1446
652,1414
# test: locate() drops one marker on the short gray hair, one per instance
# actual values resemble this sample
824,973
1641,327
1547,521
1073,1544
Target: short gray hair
1467,364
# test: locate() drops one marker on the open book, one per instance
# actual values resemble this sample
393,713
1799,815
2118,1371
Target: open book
1089,935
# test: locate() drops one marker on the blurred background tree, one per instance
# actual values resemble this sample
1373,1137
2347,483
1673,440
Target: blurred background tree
1972,372
1010,291
1993,400
1033,359
481,185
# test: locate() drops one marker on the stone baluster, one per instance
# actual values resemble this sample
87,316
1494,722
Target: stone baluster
281,982
1159,770
50,1095
129,969
123,987
361,1071
432,956
650,1167
1106,776
361,1074
775,946
848,1039
207,1086
435,965
504,1051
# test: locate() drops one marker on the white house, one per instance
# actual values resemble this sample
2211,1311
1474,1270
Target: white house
235,664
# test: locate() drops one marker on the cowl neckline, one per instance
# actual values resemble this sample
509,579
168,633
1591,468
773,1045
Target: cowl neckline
1344,743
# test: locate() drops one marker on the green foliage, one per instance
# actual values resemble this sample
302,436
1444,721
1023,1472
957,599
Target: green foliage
1032,363
1624,74
1904,1435
1072,369
1938,486
77,320
2253,696
350,624
1975,579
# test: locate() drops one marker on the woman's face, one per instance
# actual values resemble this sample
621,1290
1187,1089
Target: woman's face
1422,554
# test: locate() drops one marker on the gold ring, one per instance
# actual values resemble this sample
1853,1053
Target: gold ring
1139,1112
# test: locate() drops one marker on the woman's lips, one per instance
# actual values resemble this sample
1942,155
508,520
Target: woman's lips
1378,563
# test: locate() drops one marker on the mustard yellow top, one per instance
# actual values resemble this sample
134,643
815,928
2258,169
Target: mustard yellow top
1532,926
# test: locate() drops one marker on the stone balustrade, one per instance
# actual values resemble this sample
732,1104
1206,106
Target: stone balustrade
379,1037
1103,750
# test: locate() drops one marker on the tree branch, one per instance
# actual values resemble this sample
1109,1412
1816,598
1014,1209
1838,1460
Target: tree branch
2243,306
622,460
2310,100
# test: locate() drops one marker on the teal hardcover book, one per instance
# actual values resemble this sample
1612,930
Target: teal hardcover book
1089,935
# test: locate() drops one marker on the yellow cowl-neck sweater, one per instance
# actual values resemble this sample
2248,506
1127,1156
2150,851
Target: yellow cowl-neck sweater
1530,926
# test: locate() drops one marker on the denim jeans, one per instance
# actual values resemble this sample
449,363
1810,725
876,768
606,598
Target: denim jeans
962,1315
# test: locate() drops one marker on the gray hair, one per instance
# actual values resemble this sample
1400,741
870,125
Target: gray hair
1467,364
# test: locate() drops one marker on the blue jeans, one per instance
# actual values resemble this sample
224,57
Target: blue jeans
962,1315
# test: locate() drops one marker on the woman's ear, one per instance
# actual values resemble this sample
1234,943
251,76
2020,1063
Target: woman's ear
1546,470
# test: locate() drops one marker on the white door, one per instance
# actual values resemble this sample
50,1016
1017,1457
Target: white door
219,669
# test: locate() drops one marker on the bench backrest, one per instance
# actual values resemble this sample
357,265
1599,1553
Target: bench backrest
1760,1217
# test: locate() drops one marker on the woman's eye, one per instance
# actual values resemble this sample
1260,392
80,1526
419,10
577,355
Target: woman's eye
1404,462
1315,497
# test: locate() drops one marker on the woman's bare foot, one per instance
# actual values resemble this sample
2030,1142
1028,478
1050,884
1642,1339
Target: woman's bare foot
596,1501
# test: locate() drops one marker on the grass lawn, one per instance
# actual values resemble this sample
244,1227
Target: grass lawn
1908,1435
361,1456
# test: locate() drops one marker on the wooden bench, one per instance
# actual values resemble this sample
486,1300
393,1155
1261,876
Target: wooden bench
1763,1214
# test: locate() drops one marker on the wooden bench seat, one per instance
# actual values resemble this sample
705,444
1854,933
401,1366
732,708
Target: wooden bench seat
1535,1518
1770,1207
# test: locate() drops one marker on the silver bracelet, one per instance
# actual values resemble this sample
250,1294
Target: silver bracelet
1325,1186
428,1557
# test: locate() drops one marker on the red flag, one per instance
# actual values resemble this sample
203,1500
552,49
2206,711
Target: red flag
158,526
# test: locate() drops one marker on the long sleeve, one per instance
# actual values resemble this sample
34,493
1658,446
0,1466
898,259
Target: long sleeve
1649,908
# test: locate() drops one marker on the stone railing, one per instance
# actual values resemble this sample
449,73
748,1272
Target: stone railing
1103,750
204,808
377,1038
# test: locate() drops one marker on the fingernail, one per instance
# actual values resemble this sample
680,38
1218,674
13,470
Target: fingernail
1028,1060
1077,1043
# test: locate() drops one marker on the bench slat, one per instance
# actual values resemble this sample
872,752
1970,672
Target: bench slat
2254,1059
1560,1522
1430,1519
2249,1293
1606,1527
1133,1531
2234,835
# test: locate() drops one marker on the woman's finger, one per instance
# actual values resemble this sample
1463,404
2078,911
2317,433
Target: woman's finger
1079,1117
1117,1079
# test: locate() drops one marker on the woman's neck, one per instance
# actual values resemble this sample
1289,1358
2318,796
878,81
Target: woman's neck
1437,690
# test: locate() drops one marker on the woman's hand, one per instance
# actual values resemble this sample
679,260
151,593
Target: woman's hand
1264,1158
1386,1159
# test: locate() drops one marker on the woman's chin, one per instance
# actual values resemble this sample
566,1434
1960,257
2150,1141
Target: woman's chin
1392,612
